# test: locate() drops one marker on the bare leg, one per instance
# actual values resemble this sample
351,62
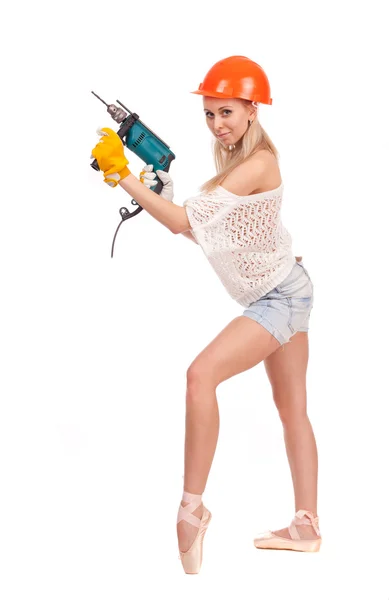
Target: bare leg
241,345
303,461
301,449
202,432
286,369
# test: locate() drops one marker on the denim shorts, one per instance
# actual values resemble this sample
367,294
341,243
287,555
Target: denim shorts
285,310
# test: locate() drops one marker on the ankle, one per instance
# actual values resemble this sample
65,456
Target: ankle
307,520
183,503
190,498
192,495
312,512
191,508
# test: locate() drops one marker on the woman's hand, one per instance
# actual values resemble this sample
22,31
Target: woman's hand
147,176
109,153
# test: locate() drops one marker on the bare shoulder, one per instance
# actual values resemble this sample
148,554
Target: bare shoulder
270,174
257,174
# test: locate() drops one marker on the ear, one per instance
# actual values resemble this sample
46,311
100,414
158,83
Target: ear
251,111
253,114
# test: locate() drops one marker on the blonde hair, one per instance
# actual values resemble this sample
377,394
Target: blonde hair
226,160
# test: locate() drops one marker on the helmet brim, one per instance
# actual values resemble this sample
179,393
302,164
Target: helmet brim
221,95
211,94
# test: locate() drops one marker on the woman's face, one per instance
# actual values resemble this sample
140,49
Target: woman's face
227,116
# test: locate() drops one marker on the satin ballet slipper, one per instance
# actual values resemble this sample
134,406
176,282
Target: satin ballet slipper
191,559
268,540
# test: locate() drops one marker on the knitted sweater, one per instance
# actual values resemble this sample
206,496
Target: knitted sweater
244,240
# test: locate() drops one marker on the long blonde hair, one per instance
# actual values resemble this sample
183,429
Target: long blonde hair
226,160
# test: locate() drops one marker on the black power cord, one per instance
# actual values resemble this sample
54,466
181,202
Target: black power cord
125,214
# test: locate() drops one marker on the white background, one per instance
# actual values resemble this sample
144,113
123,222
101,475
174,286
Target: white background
95,349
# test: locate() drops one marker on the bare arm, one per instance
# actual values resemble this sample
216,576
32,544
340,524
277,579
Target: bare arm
190,236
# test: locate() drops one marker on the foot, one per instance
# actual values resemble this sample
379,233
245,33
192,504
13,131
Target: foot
186,532
306,531
302,535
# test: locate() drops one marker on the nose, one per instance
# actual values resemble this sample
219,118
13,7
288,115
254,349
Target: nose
218,124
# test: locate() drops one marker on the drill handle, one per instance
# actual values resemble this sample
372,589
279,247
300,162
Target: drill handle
158,188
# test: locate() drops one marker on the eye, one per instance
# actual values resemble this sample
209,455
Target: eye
226,110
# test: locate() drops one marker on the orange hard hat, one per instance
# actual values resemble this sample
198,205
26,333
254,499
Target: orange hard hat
236,77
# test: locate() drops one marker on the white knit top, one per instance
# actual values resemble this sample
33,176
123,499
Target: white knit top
244,240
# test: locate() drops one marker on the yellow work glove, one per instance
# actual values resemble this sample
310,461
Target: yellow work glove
109,153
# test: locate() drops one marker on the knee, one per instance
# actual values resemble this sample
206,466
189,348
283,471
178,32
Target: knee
291,416
198,376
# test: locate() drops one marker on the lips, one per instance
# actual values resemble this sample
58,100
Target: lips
222,134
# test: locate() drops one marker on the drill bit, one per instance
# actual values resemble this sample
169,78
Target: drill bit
116,113
100,99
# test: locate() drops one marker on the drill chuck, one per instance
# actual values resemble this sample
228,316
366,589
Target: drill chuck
118,114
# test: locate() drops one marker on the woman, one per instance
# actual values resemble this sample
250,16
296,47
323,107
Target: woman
239,227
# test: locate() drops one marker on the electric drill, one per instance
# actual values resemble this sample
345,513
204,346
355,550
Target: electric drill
146,144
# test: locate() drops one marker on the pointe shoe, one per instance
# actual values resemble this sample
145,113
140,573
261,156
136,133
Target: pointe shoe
268,539
191,559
